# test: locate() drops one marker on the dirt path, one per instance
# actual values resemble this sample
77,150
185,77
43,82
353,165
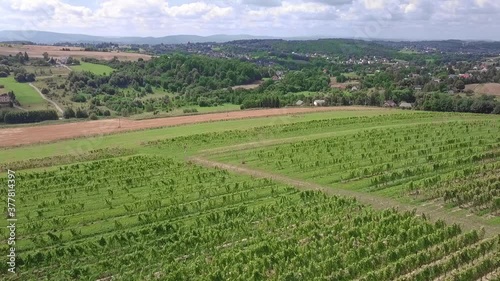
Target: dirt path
431,209
47,99
48,133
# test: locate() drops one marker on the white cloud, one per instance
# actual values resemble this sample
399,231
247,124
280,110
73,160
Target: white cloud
384,18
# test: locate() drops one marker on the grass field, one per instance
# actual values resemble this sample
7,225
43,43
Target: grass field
25,94
92,67
265,199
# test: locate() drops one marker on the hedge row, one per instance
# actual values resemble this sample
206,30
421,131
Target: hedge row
30,116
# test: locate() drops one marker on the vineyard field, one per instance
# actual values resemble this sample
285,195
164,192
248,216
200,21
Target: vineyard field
423,162
155,218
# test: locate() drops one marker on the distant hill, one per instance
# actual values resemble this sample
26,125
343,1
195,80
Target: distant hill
44,37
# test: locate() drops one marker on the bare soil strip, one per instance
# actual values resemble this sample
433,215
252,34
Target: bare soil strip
49,133
432,211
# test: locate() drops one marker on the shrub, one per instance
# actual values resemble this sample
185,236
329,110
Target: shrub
106,113
30,116
190,110
496,110
45,91
93,116
79,98
3,74
80,113
69,113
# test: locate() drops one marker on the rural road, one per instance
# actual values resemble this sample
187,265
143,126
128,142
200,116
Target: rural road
433,209
47,99
24,135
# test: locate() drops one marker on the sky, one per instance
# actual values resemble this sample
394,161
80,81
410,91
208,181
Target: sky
367,19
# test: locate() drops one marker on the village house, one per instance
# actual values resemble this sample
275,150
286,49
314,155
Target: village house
5,100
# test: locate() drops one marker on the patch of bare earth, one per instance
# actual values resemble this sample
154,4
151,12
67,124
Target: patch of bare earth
48,133
346,85
254,85
487,88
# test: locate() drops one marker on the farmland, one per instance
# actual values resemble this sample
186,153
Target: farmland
485,89
188,222
414,162
57,52
277,198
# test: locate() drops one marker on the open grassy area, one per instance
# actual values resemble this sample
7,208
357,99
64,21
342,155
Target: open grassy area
25,94
92,67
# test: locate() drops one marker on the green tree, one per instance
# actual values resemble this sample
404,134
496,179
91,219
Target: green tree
125,112
460,85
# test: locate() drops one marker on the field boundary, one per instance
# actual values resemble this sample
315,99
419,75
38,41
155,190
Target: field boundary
431,211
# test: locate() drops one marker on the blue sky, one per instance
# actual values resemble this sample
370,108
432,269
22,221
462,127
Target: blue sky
396,19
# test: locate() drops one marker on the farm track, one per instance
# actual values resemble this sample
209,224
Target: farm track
432,210
48,133
47,99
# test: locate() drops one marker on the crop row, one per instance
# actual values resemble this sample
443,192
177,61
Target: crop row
413,160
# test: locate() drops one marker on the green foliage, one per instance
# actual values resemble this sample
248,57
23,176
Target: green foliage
190,110
446,102
30,116
69,113
93,116
79,98
81,113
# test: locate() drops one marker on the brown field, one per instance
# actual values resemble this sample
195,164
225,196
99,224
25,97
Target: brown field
48,133
254,85
55,51
488,88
